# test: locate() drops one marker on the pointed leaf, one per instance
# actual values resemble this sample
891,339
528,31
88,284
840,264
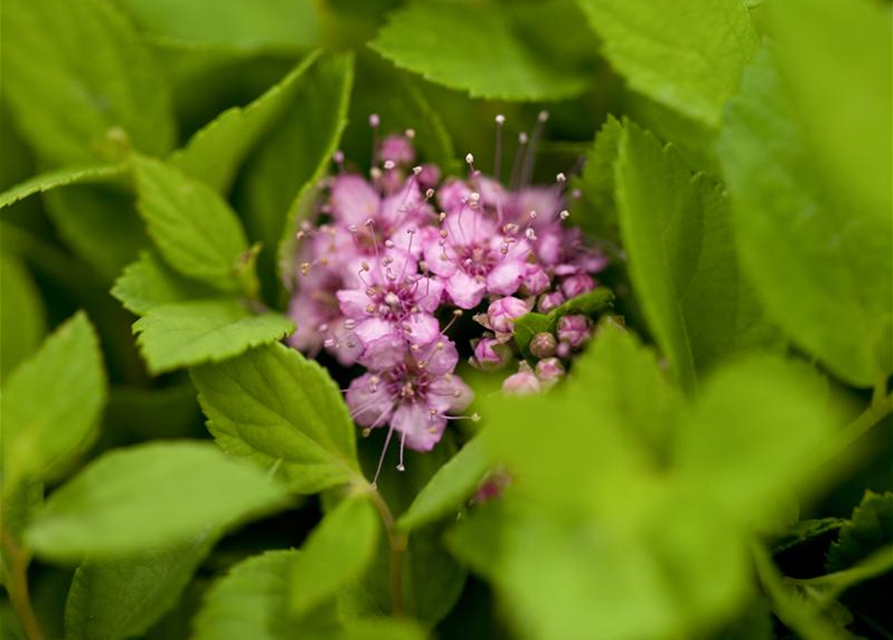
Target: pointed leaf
336,554
149,283
22,315
194,228
147,496
186,334
44,432
44,182
821,263
275,407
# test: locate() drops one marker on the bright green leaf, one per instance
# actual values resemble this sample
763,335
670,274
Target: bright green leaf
449,488
44,182
118,599
834,56
149,283
43,432
601,434
686,54
821,263
677,232
186,334
215,152
757,433
490,50
433,580
336,554
245,25
22,315
279,409
194,228
81,83
381,629
144,497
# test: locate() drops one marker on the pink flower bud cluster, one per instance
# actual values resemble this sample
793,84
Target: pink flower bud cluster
393,261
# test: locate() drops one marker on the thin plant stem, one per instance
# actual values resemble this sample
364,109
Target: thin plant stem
17,576
397,541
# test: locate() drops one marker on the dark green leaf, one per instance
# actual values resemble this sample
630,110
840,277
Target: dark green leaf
870,528
215,152
140,498
588,304
186,334
281,410
599,211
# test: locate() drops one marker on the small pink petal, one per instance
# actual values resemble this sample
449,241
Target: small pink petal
464,290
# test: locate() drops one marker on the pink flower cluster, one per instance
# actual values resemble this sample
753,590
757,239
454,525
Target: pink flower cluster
393,261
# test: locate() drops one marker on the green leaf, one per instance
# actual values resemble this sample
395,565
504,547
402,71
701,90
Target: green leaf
453,483
834,59
296,153
44,182
433,580
686,54
81,83
186,334
382,629
677,232
776,420
194,228
44,432
215,152
249,602
870,529
806,530
144,497
578,467
596,184
149,283
275,407
280,26
100,224
336,554
22,315
588,304
821,263
118,599
490,50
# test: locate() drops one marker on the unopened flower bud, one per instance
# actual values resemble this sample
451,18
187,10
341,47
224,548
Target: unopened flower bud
549,371
543,344
490,354
573,330
429,176
549,301
523,383
534,281
577,285
396,149
501,314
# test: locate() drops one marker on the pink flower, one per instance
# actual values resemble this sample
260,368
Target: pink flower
543,344
396,149
393,299
502,313
474,258
573,330
416,396
523,383
490,354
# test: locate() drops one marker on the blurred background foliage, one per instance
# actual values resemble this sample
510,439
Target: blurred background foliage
598,542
